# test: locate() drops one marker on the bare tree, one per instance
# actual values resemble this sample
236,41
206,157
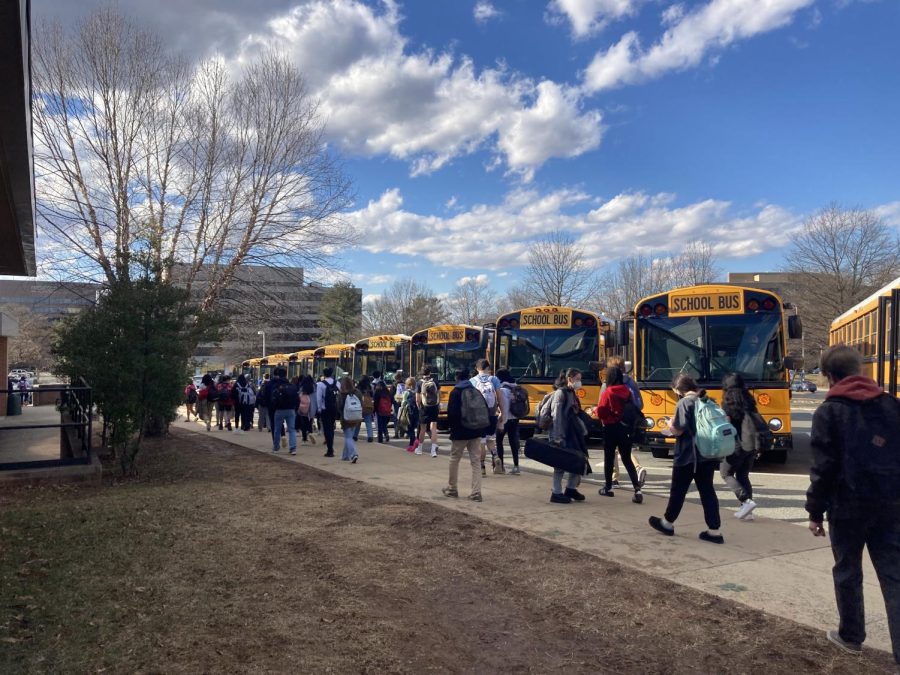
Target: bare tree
515,298
32,345
630,279
138,153
839,257
405,307
557,272
696,264
472,302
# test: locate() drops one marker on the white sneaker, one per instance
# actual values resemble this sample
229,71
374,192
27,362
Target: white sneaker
418,451
434,452
749,518
745,510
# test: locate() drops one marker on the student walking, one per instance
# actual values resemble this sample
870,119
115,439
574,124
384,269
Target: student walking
368,407
245,403
489,386
508,423
224,401
384,408
688,466
740,406
262,403
351,418
409,413
190,400
855,478
567,430
468,415
284,400
399,388
619,362
207,386
619,415
428,401
306,409
328,407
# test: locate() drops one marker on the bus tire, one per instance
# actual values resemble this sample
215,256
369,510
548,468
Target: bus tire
775,457
660,453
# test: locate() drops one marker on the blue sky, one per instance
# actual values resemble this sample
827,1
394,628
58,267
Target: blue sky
470,128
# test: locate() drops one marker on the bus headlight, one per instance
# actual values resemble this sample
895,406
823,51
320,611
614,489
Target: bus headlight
648,422
775,424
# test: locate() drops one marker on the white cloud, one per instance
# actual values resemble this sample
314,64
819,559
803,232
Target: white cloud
371,297
484,11
479,279
889,213
713,26
497,237
672,13
379,96
587,17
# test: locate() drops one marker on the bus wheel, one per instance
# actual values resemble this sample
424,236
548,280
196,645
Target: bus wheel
775,456
660,453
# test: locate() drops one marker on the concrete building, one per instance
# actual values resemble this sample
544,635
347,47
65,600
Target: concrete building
278,302
50,299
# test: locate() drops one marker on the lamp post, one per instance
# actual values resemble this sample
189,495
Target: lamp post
263,333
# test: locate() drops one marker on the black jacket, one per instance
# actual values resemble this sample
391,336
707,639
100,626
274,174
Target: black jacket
837,432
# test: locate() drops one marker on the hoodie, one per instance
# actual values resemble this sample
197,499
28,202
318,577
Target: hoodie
838,431
612,404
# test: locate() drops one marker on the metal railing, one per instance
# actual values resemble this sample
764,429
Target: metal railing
75,405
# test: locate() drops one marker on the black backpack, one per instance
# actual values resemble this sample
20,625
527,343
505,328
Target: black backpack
192,396
872,462
519,405
632,417
285,396
212,393
332,400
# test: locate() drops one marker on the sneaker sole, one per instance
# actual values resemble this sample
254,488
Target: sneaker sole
829,635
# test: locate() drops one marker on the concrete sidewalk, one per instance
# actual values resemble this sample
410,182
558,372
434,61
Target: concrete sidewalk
766,564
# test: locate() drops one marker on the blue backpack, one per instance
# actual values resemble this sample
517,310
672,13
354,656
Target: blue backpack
715,435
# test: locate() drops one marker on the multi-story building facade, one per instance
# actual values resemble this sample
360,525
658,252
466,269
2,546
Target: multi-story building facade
50,299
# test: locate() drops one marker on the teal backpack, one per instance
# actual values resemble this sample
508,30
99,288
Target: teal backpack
715,434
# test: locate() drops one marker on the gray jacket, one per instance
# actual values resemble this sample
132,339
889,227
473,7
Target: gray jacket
559,409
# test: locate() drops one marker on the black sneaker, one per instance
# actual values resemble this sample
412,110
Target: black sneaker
574,494
615,483
328,454
835,638
657,524
449,492
638,498
369,440
606,492
560,499
712,538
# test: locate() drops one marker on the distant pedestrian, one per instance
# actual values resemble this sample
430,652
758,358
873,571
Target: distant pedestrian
489,386
328,407
399,387
740,406
224,401
244,404
306,409
384,408
262,402
207,387
467,413
23,389
351,418
567,429
619,362
408,415
190,400
689,466
284,400
619,415
508,423
428,401
368,407
855,478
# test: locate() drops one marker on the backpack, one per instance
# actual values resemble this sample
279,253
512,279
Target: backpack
368,405
484,384
872,463
430,393
715,435
303,406
385,408
519,405
473,409
632,418
543,419
332,400
246,395
191,395
285,396
212,393
403,415
353,409
223,394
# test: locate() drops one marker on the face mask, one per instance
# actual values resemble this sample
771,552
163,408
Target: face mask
576,384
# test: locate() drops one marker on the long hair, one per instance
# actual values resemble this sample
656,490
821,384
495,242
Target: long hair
347,385
307,386
736,399
614,376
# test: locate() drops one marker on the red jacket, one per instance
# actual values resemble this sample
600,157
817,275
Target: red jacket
612,403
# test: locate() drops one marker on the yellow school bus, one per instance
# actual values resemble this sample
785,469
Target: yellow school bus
707,332
446,349
873,327
381,353
300,363
339,357
267,364
536,343
250,368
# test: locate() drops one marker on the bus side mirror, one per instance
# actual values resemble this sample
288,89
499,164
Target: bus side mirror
622,334
795,327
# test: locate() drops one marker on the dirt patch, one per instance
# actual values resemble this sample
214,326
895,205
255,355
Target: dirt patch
219,559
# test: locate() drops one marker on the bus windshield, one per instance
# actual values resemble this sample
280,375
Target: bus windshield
544,353
446,359
708,348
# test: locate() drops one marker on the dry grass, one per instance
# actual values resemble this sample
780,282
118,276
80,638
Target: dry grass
219,559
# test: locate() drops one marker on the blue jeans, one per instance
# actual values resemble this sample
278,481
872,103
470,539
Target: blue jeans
288,417
368,420
571,483
349,443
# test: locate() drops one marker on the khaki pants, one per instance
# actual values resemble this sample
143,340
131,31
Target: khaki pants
473,445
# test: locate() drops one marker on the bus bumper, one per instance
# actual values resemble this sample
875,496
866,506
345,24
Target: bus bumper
662,447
